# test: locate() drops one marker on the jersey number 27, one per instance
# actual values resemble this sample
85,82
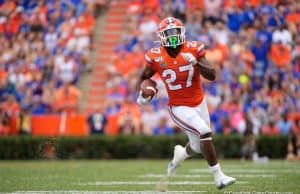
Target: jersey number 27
171,74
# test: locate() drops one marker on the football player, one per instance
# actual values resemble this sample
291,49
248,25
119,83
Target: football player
180,64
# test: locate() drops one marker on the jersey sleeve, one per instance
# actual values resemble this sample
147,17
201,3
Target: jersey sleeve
150,61
197,48
200,50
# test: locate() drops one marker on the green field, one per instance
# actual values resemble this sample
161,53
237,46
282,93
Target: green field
143,176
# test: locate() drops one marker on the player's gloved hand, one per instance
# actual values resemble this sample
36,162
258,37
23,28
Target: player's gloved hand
143,101
190,58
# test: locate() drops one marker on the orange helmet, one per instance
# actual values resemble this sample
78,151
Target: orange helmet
171,32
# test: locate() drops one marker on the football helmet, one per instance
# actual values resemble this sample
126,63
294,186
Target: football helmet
171,32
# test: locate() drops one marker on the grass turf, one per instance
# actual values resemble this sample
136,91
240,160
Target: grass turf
81,175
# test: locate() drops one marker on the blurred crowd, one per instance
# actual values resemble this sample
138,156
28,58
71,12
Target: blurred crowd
254,45
44,48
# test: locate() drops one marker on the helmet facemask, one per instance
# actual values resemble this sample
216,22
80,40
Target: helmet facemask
172,37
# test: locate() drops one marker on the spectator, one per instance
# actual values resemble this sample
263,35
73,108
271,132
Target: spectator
66,70
218,119
67,98
258,117
179,9
6,89
192,26
127,123
237,120
249,140
284,125
130,117
11,106
148,26
212,9
97,122
4,123
293,17
235,19
249,14
270,129
25,122
296,137
260,51
38,107
282,35
280,55
163,128
220,33
149,119
51,39
80,41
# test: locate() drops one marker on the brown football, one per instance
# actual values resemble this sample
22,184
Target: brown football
148,88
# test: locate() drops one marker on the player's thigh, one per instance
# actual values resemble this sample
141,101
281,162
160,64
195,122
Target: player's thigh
188,119
202,111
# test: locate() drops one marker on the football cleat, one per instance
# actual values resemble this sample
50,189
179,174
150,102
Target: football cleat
179,156
224,181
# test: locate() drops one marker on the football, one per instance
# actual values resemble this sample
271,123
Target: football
148,88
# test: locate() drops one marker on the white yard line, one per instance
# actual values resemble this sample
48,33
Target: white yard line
246,171
190,176
101,192
109,183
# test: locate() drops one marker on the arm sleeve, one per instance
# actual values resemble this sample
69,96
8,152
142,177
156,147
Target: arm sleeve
149,61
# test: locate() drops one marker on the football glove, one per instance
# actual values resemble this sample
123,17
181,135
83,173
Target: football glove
143,101
190,58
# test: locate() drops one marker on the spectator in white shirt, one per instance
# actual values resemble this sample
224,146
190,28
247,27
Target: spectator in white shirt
148,26
67,70
220,33
51,38
282,35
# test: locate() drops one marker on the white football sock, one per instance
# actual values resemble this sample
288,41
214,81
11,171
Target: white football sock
216,170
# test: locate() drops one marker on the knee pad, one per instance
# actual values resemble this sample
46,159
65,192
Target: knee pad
206,137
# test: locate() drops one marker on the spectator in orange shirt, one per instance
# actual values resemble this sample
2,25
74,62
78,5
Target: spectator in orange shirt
130,114
248,58
195,4
7,7
67,98
2,24
11,106
294,15
85,22
8,109
151,5
124,64
280,55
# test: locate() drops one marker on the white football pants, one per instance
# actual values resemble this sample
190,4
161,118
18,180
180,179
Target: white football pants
194,120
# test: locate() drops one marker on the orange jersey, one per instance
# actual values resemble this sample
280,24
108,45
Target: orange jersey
181,78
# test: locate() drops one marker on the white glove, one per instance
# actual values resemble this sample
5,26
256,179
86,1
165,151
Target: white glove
190,58
143,101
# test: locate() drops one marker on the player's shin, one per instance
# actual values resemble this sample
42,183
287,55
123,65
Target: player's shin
209,153
208,149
